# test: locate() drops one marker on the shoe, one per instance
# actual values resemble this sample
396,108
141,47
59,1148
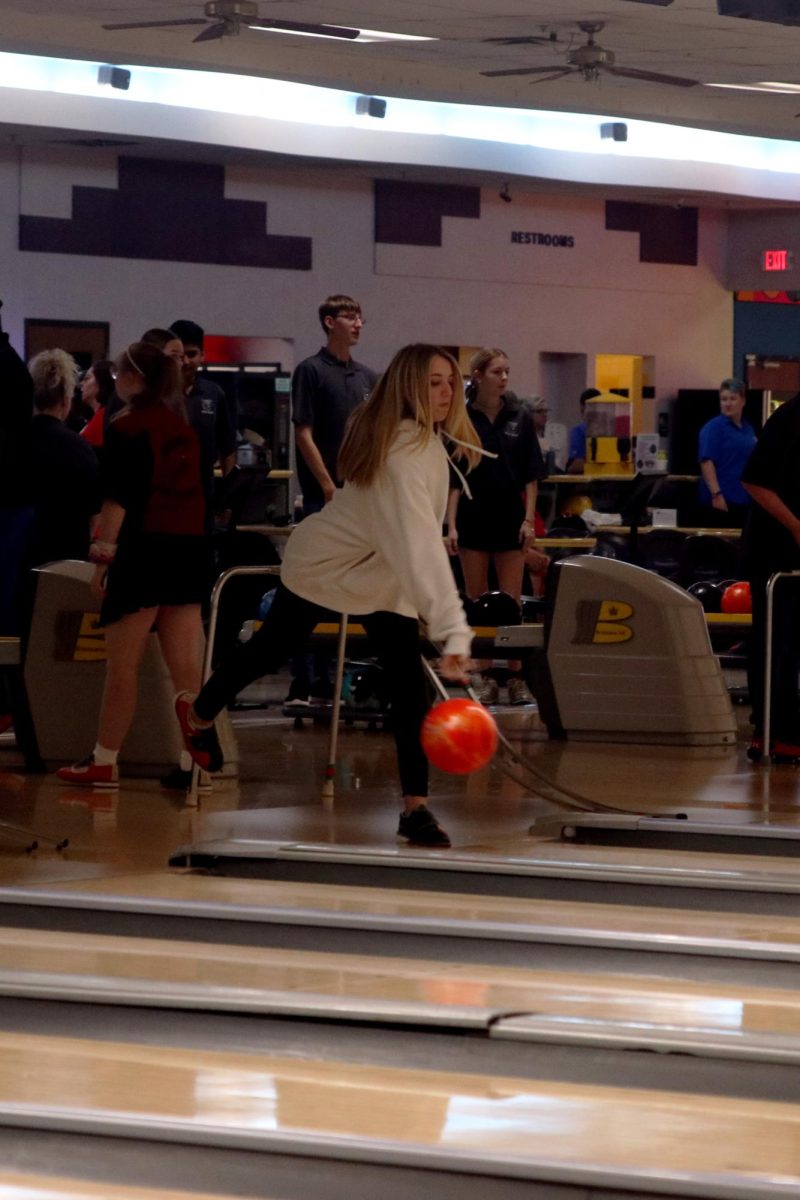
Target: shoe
180,781
787,753
755,749
519,692
420,828
299,693
6,722
201,743
485,688
88,773
322,691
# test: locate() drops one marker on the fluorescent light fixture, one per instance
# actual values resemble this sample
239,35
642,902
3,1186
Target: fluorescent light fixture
365,35
778,89
487,128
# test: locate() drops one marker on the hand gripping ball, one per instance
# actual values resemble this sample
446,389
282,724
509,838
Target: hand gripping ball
459,736
737,598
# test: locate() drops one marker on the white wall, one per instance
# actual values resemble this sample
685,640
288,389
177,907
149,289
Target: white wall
478,288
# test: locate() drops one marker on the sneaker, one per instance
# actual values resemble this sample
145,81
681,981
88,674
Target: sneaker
787,753
420,828
519,692
755,749
201,742
88,773
485,688
180,781
299,693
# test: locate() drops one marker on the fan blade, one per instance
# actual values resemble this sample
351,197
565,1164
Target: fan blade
213,32
546,40
557,75
336,31
527,71
652,76
158,24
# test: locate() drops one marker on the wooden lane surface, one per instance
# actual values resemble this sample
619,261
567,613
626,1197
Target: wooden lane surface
322,906
16,1186
187,974
664,1142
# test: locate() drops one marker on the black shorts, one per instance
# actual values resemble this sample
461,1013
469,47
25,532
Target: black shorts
491,525
157,569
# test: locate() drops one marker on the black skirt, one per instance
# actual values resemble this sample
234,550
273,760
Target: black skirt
491,525
157,569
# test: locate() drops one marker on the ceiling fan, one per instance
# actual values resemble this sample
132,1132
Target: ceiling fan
589,60
225,18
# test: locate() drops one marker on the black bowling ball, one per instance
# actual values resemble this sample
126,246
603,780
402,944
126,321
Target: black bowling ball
495,608
709,595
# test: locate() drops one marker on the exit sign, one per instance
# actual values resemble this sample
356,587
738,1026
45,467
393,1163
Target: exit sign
777,260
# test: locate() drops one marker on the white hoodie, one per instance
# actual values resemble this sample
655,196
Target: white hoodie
380,548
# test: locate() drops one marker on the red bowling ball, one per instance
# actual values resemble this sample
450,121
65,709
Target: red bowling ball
459,736
737,599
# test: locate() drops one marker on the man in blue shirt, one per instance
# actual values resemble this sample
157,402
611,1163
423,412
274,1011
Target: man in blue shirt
726,443
576,450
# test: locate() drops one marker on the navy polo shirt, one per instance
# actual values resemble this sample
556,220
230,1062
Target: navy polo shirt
728,446
512,437
325,391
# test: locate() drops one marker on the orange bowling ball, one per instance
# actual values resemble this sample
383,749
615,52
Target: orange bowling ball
459,736
737,599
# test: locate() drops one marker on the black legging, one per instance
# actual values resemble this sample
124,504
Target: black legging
285,632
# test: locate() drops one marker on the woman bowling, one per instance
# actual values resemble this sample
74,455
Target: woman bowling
375,551
152,559
495,526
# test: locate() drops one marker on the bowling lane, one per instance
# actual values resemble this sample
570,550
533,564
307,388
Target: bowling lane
454,1124
386,922
16,1186
517,867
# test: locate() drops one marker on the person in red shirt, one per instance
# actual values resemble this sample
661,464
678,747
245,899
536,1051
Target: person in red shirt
151,554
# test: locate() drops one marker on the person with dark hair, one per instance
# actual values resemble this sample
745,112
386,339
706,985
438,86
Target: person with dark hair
375,551
576,448
150,551
326,389
96,393
208,410
64,472
725,445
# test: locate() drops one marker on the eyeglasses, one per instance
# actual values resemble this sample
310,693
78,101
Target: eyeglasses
352,317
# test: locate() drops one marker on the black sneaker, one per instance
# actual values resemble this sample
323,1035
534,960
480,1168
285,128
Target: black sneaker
299,693
420,828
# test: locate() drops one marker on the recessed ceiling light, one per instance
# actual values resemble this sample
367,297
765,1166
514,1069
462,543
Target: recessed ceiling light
364,35
786,89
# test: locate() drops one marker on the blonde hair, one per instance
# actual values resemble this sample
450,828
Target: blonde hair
55,377
402,393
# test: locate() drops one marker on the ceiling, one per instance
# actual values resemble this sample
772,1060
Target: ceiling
687,38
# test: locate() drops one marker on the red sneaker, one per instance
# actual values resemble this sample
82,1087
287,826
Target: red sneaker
786,752
88,773
201,743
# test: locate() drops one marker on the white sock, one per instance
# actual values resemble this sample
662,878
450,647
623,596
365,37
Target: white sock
185,761
103,757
